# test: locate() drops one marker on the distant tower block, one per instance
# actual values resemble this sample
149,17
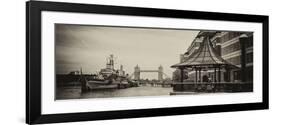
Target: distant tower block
160,73
137,73
181,58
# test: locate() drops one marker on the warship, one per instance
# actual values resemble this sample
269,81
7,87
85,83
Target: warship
107,78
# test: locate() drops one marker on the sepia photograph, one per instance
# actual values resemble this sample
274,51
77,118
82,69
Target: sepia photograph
94,61
100,62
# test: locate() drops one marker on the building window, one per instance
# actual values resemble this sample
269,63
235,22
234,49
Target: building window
249,43
235,60
231,48
229,35
249,58
218,40
226,77
236,75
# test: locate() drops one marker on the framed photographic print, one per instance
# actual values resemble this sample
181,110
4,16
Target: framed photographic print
95,62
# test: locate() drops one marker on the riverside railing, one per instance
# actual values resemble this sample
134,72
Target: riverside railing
212,86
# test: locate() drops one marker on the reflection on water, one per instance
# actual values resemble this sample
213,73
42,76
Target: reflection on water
74,92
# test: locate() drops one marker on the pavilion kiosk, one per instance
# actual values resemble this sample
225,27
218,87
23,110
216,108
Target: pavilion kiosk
206,59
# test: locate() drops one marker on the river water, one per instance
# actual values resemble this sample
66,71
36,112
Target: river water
74,92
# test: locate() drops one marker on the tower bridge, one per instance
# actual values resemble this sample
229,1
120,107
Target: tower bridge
138,71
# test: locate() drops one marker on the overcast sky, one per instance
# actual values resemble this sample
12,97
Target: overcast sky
89,46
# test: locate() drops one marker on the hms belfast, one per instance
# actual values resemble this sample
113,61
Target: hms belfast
107,78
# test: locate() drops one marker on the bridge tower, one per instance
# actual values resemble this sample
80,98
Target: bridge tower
160,73
137,73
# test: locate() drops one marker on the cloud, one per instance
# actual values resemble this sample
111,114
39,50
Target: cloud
89,46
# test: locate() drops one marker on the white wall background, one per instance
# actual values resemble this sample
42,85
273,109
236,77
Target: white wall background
12,50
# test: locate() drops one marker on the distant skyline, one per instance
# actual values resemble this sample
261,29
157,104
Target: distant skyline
88,47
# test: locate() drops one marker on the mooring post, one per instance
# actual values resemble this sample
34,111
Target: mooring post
84,85
83,82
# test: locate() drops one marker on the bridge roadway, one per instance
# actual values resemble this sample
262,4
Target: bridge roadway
150,71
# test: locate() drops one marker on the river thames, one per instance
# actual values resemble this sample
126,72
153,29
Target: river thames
74,92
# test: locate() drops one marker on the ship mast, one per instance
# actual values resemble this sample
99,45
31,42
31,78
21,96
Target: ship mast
110,62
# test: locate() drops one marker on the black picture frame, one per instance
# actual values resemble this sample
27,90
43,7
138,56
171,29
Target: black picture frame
33,61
